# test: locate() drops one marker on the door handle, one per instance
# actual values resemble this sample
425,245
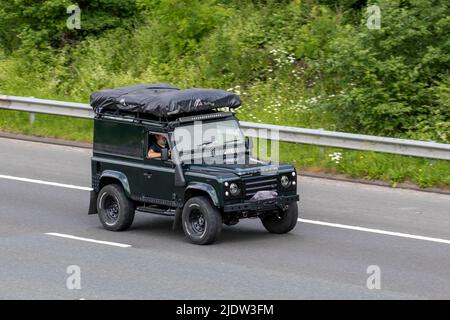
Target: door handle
148,175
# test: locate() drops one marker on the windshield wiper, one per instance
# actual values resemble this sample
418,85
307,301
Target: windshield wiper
205,143
235,140
212,141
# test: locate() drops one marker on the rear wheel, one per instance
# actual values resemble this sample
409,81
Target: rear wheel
202,222
115,210
281,221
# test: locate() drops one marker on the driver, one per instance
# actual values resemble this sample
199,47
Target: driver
155,149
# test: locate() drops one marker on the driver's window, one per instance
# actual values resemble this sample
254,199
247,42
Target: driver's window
156,142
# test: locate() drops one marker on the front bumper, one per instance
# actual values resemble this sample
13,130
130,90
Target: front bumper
261,205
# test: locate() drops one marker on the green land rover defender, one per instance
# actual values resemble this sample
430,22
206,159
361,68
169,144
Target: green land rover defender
205,175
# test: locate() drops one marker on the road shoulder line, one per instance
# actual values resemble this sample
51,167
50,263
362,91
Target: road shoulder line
48,183
68,236
377,231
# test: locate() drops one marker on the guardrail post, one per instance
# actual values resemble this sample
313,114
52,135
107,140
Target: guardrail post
32,117
321,152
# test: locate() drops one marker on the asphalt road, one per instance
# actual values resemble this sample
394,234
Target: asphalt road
322,258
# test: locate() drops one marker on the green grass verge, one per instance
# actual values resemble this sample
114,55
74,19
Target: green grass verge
356,164
394,169
68,128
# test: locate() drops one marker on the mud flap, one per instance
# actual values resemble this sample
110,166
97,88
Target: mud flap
93,202
177,221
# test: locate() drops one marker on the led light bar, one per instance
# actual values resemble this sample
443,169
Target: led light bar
205,117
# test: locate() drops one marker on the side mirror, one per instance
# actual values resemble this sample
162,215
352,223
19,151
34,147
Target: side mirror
180,180
164,154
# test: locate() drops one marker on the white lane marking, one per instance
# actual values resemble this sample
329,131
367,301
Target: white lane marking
55,184
68,236
389,233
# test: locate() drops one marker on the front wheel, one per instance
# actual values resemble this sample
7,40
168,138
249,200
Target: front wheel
202,222
115,210
281,221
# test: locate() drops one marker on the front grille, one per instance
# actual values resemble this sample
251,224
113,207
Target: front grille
259,183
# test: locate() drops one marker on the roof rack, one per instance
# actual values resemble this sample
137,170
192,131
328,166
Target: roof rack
170,121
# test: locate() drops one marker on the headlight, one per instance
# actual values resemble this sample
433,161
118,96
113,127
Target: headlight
285,182
234,189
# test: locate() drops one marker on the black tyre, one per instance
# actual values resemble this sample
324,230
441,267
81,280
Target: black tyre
281,221
201,221
115,210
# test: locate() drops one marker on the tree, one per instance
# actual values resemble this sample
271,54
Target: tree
391,76
43,23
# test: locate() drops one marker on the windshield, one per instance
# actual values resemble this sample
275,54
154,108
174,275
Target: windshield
216,138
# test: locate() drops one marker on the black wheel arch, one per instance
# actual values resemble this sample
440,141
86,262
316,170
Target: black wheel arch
111,176
201,189
108,177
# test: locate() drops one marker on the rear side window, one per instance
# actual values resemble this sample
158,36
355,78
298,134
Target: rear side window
118,138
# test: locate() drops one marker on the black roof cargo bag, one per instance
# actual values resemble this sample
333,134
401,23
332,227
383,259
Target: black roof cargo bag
162,99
